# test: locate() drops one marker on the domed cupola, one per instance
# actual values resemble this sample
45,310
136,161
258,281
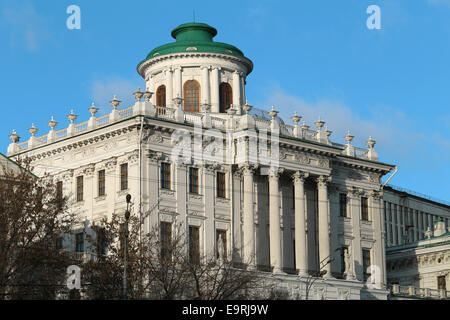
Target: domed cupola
198,70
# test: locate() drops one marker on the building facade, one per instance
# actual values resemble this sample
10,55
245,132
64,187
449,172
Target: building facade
418,247
285,199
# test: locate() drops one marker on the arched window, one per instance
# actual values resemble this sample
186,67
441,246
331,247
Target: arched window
161,96
192,96
226,97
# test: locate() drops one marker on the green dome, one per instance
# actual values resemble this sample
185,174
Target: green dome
194,37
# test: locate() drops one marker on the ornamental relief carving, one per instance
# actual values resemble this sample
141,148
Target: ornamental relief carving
302,158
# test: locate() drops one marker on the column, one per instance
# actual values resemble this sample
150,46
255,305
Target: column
378,227
388,223
399,225
215,98
153,185
242,89
414,217
236,89
205,86
180,187
356,251
151,88
430,221
236,201
178,83
324,236
301,257
209,198
169,87
420,224
249,217
274,221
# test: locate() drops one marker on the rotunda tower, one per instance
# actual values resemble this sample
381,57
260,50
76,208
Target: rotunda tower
202,72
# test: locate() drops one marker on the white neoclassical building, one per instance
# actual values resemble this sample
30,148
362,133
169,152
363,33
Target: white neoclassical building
418,244
284,198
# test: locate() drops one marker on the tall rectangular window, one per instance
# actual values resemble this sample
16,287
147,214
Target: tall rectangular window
166,239
194,244
59,193
124,176
441,283
101,183
364,209
221,242
193,180
366,263
59,190
101,241
79,242
80,188
342,204
165,175
221,184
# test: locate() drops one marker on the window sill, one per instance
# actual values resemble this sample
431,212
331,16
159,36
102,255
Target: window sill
123,192
101,198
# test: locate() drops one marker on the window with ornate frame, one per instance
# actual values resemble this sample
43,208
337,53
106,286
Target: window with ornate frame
80,188
364,209
165,175
124,176
165,239
101,183
366,263
194,244
193,180
161,96
225,97
221,184
79,242
192,96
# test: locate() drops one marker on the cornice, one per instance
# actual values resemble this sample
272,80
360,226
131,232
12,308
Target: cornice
142,68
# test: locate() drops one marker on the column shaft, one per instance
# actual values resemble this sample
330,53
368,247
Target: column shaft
215,98
301,256
324,236
236,89
205,98
178,83
274,222
399,225
169,84
249,218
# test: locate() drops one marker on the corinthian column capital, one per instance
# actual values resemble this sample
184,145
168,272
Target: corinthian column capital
275,172
323,181
248,169
300,176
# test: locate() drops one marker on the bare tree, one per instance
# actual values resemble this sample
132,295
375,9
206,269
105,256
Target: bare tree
160,266
33,218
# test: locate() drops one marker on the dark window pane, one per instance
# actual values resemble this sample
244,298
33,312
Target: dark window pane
221,184
124,176
80,188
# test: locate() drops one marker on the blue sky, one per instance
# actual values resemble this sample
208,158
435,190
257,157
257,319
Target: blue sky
315,57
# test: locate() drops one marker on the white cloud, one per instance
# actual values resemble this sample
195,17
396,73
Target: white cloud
397,135
27,27
103,90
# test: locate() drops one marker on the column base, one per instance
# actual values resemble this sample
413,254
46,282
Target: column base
277,271
303,274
